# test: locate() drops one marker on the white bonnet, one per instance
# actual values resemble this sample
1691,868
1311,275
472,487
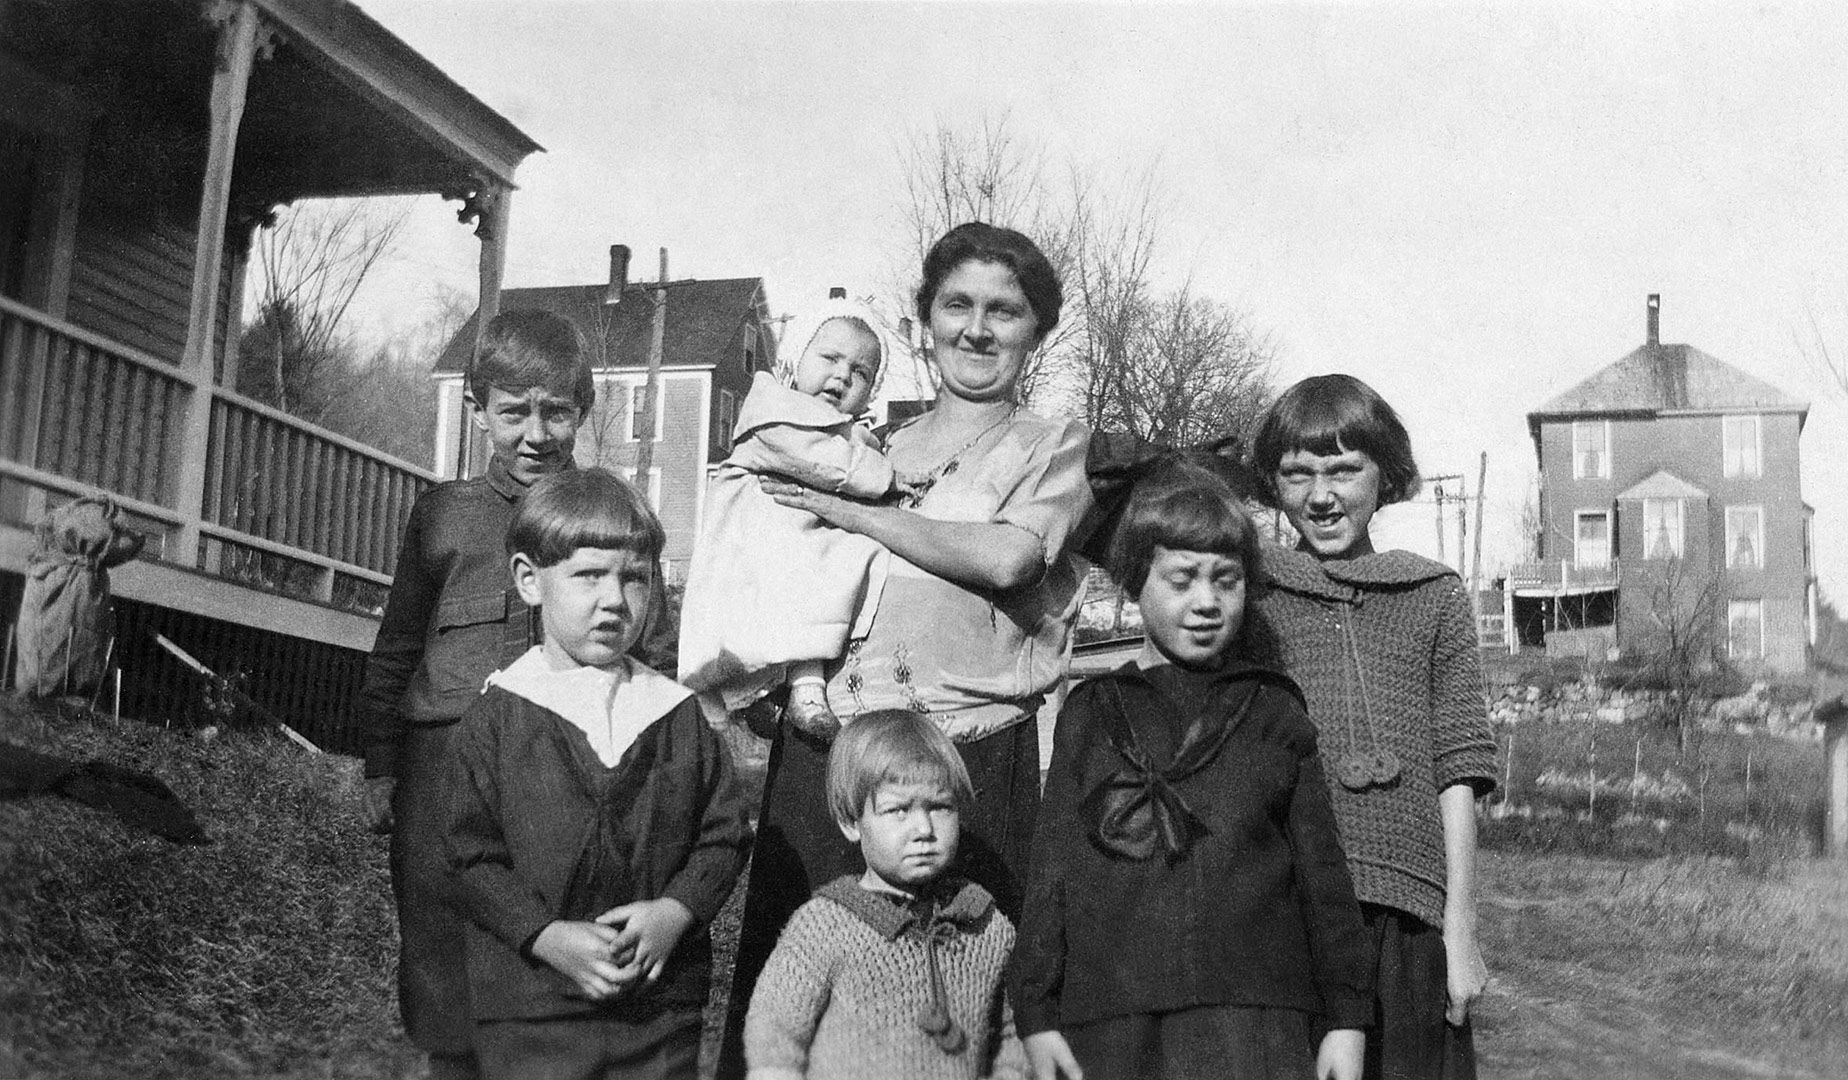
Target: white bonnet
803,327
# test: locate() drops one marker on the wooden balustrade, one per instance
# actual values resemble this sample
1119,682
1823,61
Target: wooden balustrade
79,413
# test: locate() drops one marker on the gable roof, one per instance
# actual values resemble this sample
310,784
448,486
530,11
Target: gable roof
702,321
1667,379
1661,484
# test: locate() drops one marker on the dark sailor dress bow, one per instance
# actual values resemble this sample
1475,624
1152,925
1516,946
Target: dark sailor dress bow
1136,812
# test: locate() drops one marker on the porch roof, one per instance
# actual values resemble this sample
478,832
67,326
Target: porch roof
339,107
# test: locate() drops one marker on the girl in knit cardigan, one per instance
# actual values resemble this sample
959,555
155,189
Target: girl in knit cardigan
896,972
1383,644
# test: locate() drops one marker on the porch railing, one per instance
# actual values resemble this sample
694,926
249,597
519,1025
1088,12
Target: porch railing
1564,574
287,505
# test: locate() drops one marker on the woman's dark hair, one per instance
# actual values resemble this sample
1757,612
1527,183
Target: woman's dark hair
580,508
1334,414
532,347
1182,507
994,244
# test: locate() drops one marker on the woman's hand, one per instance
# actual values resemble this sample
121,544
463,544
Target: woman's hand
832,509
973,554
1051,1057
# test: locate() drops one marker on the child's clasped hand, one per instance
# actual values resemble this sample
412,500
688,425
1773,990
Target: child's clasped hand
590,955
649,929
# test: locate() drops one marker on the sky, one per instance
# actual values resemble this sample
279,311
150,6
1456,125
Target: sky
1466,206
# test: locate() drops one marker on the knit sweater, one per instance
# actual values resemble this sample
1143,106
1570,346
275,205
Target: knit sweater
843,993
1384,647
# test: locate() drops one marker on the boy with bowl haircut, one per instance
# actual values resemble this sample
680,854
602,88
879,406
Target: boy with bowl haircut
450,620
595,820
896,972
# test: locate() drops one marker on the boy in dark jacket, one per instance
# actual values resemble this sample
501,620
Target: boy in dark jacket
451,619
595,824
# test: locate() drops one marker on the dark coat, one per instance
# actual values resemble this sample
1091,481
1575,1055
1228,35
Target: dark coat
452,618
540,830
1257,910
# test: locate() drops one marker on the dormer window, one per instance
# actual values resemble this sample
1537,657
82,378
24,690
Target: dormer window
1743,448
1591,449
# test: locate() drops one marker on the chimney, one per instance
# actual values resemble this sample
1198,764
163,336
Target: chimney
619,273
836,292
1655,318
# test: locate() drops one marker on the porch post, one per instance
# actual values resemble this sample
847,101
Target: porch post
237,48
491,208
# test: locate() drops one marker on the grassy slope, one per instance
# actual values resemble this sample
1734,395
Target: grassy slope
1680,968
270,953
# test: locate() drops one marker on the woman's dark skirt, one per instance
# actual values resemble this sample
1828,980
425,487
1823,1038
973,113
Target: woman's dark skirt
1211,1042
1410,1039
799,848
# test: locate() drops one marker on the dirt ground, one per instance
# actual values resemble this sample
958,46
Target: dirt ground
1572,996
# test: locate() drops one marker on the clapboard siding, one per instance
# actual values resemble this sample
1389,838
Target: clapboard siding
133,285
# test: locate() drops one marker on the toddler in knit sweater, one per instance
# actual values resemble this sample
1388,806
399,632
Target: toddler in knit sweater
896,973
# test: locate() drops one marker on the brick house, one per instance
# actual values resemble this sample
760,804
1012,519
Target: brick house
1669,494
715,335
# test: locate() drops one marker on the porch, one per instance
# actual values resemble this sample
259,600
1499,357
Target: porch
152,138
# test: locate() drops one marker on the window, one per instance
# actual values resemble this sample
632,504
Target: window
1662,521
640,426
1745,629
750,351
1745,536
1740,434
728,418
654,484
1592,542
1591,449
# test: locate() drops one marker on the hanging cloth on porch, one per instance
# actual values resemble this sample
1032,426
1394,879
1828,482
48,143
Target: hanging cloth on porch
65,620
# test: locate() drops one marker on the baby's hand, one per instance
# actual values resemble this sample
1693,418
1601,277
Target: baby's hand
911,485
589,955
651,929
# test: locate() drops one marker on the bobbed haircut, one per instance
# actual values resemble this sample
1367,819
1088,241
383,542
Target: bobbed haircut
995,244
532,347
892,746
1183,507
580,508
1335,414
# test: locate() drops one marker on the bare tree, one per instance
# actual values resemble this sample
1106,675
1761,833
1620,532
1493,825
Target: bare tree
1682,604
307,267
1830,363
986,174
1177,368
1194,371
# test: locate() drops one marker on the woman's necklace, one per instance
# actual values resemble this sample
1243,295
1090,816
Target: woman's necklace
950,464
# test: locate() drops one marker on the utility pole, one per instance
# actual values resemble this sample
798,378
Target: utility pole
644,424
1475,566
1437,495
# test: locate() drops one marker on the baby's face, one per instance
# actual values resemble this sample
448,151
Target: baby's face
839,366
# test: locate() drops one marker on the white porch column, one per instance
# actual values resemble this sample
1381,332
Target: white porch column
491,208
238,34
